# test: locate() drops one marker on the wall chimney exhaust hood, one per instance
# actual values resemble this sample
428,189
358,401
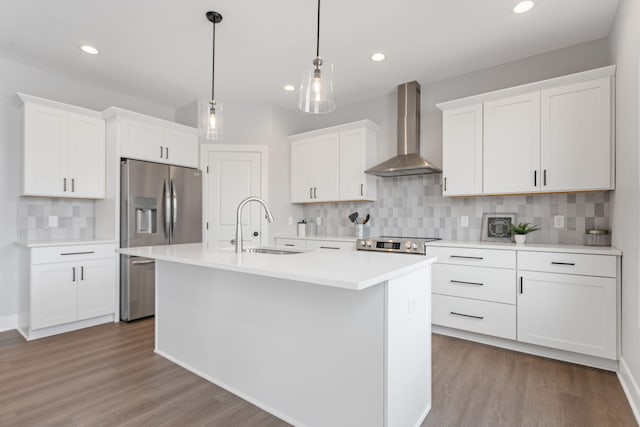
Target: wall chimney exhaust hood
408,161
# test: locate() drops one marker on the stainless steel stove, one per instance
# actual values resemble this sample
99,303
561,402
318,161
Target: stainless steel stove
395,244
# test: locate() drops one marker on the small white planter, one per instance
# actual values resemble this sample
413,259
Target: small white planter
520,238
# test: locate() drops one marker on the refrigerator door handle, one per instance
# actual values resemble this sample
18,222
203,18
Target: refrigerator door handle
167,209
174,206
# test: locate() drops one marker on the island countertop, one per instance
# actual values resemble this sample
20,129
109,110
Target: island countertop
354,270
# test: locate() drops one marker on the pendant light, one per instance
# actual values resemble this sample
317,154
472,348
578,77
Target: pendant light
316,90
210,111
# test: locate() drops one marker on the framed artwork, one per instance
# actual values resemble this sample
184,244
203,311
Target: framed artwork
496,227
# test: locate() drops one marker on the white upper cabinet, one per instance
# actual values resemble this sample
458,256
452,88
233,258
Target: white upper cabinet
550,136
148,138
462,151
329,164
64,150
511,148
576,137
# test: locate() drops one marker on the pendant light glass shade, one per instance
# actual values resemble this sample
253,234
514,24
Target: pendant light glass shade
316,90
210,121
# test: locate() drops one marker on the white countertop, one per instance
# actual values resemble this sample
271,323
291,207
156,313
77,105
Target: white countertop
333,238
354,270
531,247
53,243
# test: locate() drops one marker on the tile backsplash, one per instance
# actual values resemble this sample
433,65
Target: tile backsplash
76,219
414,206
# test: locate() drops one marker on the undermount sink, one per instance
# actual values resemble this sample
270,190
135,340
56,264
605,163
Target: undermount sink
271,251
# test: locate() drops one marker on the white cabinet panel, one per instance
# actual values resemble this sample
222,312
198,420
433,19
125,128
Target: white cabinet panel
302,170
576,137
487,284
567,263
327,166
291,243
462,151
473,257
181,148
331,245
511,151
355,146
572,313
86,156
96,290
53,294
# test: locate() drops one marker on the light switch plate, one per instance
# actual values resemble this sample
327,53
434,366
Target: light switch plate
558,221
53,221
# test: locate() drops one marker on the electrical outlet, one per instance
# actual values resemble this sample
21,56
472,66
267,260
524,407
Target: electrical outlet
558,221
464,221
53,221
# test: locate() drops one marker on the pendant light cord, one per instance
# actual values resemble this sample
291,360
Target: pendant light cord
318,33
213,64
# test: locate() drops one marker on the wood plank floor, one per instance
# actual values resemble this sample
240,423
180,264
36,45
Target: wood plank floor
109,376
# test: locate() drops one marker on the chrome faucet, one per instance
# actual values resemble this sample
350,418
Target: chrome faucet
238,242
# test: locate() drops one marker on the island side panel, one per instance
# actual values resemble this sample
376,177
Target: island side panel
408,331
310,354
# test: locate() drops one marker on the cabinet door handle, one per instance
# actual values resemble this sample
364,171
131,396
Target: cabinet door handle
544,177
73,185
563,263
467,315
445,183
535,178
329,247
466,257
362,189
311,192
315,192
166,149
77,253
64,184
466,283
82,272
521,289
161,151
74,273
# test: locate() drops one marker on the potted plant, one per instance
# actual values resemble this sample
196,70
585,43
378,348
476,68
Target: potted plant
521,230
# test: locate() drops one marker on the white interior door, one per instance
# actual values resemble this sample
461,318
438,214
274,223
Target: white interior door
233,176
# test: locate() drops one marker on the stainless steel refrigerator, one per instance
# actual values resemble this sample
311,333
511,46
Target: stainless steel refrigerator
159,205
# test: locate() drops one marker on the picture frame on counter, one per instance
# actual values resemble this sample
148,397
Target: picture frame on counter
496,227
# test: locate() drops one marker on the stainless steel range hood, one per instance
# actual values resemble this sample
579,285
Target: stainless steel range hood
408,161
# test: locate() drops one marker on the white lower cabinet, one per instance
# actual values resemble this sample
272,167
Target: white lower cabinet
314,243
68,287
556,299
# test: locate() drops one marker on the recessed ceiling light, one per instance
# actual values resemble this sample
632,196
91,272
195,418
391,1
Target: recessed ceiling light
524,6
289,88
377,57
89,49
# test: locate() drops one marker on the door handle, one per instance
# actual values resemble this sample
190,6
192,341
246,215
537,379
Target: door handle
167,152
563,263
467,315
78,253
466,283
149,261
521,289
362,189
311,192
64,184
329,247
167,208
445,183
82,272
73,185
544,177
315,192
535,178
256,234
161,151
289,244
73,274
174,206
466,257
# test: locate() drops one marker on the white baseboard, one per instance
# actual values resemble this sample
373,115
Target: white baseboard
630,387
8,323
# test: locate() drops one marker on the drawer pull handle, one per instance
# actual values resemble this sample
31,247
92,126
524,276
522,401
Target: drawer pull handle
78,253
467,315
289,244
466,283
562,263
466,257
143,262
328,247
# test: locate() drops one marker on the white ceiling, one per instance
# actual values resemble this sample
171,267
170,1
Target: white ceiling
160,50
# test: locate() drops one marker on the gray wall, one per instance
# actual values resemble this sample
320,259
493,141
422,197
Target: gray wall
625,47
18,77
442,215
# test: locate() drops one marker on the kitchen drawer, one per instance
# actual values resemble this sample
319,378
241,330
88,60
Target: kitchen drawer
71,253
475,257
489,318
556,262
331,244
482,283
292,243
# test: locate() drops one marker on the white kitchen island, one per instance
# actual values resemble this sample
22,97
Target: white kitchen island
320,338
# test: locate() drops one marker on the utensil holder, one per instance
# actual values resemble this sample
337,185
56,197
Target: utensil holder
362,231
